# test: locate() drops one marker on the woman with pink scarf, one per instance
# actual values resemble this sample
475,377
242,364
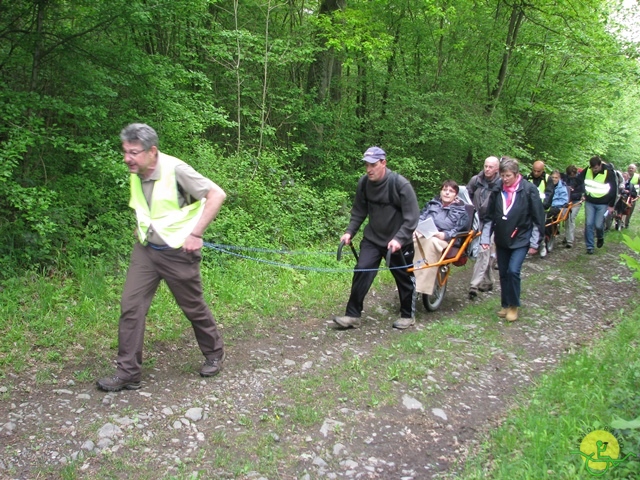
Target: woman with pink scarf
516,218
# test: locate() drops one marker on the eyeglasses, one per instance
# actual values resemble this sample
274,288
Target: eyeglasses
132,153
448,190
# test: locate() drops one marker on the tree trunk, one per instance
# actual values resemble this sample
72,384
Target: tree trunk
517,15
326,66
35,66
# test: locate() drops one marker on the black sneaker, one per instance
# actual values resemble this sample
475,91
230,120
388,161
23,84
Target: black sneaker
486,287
589,251
600,243
473,293
115,384
210,368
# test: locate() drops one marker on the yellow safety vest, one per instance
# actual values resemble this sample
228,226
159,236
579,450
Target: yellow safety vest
635,180
596,187
172,223
543,186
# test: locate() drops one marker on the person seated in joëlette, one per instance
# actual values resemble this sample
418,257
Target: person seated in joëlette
450,218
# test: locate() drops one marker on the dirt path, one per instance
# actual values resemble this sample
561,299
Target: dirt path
178,423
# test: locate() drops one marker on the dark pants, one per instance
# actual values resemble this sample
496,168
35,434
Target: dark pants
181,271
509,265
370,257
628,217
551,215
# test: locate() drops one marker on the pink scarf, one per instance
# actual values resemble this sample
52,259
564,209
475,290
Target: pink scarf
509,190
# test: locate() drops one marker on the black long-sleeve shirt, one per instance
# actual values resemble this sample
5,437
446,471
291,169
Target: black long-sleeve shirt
610,198
386,220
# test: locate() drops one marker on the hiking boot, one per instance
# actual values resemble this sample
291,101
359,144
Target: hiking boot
485,288
589,251
212,367
473,293
502,313
600,243
512,314
568,245
348,322
403,323
115,384
543,250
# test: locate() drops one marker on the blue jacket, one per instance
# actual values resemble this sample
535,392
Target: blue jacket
560,195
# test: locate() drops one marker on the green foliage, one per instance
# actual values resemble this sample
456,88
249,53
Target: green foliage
269,205
632,261
592,389
287,99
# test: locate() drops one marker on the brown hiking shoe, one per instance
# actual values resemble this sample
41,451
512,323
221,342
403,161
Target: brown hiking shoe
210,368
348,322
512,314
403,323
115,384
502,312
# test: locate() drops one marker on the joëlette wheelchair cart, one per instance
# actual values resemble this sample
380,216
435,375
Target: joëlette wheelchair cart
552,225
623,208
455,253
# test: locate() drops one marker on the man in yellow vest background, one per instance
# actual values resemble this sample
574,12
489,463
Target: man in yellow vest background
601,189
634,178
541,180
545,186
174,204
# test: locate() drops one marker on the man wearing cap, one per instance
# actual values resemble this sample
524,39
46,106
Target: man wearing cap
389,201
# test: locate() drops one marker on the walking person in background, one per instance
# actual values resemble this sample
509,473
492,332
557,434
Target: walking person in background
174,204
543,183
634,180
390,203
559,201
601,190
576,192
516,219
626,202
480,187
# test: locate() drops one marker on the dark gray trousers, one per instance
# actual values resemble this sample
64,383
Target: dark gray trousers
371,256
181,272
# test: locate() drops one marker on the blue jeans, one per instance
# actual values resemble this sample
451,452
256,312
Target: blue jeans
594,218
509,265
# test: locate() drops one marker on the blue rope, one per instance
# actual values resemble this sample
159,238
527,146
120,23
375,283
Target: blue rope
220,249
266,250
